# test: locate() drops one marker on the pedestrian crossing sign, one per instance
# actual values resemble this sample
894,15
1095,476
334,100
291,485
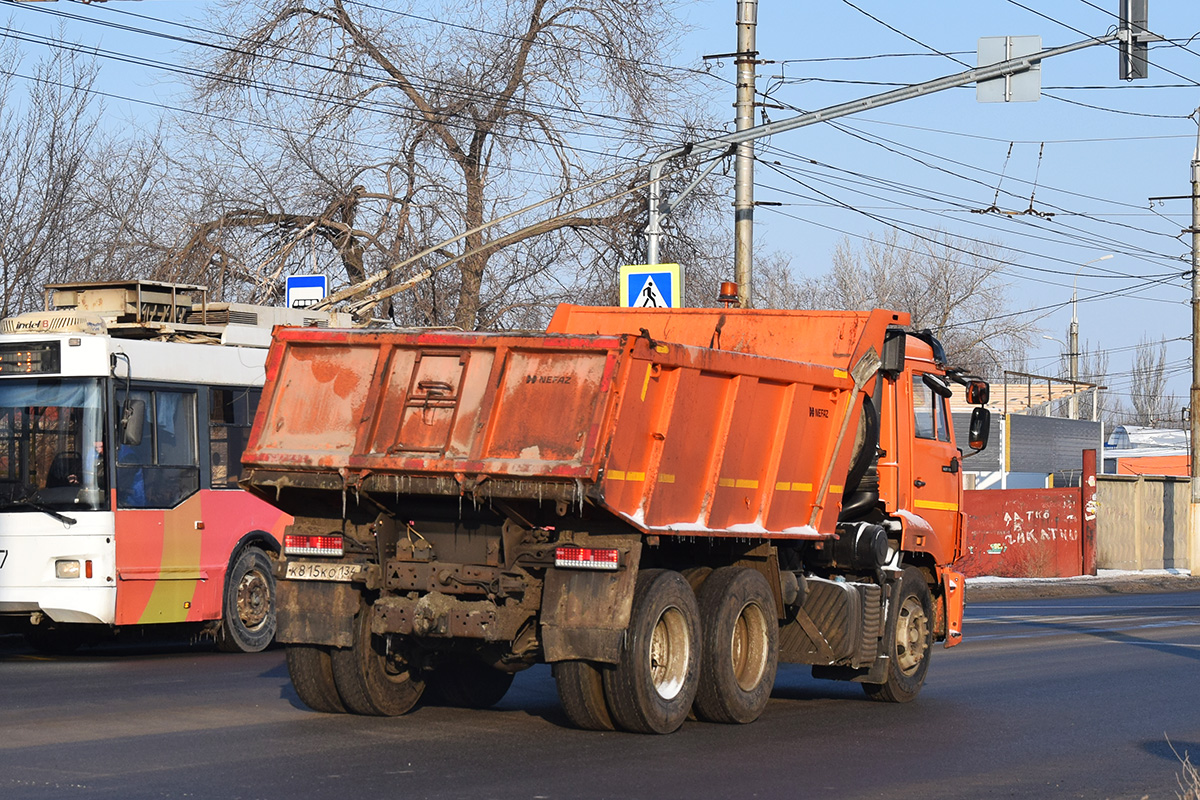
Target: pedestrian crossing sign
651,286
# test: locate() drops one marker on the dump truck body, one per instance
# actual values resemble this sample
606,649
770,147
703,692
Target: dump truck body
468,504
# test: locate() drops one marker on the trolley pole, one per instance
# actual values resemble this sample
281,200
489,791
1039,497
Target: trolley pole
743,200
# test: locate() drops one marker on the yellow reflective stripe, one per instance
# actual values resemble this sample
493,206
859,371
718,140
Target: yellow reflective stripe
737,483
841,373
784,486
666,477
834,489
622,475
936,505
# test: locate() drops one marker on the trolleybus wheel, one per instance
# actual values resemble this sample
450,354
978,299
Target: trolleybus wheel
373,677
741,646
910,647
652,687
311,671
581,692
248,610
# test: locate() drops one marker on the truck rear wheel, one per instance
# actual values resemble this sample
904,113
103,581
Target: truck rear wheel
311,670
248,608
652,687
581,692
911,645
741,646
372,678
470,683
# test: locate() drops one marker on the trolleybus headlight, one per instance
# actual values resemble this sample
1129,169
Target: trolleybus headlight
66,568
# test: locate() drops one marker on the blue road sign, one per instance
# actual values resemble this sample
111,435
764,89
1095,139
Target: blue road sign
301,291
651,286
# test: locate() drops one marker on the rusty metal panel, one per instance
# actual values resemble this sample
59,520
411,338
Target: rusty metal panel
549,402
316,409
1025,533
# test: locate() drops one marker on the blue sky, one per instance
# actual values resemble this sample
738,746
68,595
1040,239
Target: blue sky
921,164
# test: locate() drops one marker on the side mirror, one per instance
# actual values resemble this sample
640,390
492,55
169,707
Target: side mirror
977,433
938,384
892,357
133,418
978,392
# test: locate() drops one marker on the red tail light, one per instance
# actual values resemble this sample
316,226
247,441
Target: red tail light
587,558
297,545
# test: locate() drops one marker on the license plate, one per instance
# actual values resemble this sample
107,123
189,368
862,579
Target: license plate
313,571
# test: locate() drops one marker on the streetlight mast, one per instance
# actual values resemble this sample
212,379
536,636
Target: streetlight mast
1073,338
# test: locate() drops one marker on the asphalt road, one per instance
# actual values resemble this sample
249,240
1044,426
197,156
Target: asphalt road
1076,697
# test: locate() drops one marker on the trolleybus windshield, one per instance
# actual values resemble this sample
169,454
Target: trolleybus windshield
52,445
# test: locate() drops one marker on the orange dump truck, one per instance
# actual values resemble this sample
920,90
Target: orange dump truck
662,504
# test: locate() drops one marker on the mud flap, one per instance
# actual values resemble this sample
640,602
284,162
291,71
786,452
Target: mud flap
315,612
584,612
954,598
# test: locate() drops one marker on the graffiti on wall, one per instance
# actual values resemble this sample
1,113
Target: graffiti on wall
1022,533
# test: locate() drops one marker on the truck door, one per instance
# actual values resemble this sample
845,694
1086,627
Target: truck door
936,469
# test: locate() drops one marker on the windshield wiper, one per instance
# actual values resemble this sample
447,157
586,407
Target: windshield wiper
28,501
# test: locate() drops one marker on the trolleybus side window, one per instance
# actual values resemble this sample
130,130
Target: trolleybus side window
162,469
230,415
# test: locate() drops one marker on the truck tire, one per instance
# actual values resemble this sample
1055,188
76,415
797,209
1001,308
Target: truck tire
248,608
652,687
470,683
581,692
311,670
741,646
911,645
369,679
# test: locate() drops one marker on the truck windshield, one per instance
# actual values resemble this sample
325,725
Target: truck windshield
52,445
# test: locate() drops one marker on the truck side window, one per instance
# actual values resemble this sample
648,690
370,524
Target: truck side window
925,410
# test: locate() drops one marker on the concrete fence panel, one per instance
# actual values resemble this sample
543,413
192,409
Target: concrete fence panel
1142,522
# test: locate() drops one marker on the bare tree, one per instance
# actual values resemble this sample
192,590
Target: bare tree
1149,403
47,129
950,285
364,134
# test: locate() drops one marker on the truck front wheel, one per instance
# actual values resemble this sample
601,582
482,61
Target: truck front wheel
311,670
652,687
741,646
910,647
372,678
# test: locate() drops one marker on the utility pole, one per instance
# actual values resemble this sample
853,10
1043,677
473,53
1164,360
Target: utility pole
1194,407
743,201
1073,357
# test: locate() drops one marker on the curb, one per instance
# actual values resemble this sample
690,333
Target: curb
994,589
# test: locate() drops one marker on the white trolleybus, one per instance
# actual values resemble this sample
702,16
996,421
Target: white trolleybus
124,408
